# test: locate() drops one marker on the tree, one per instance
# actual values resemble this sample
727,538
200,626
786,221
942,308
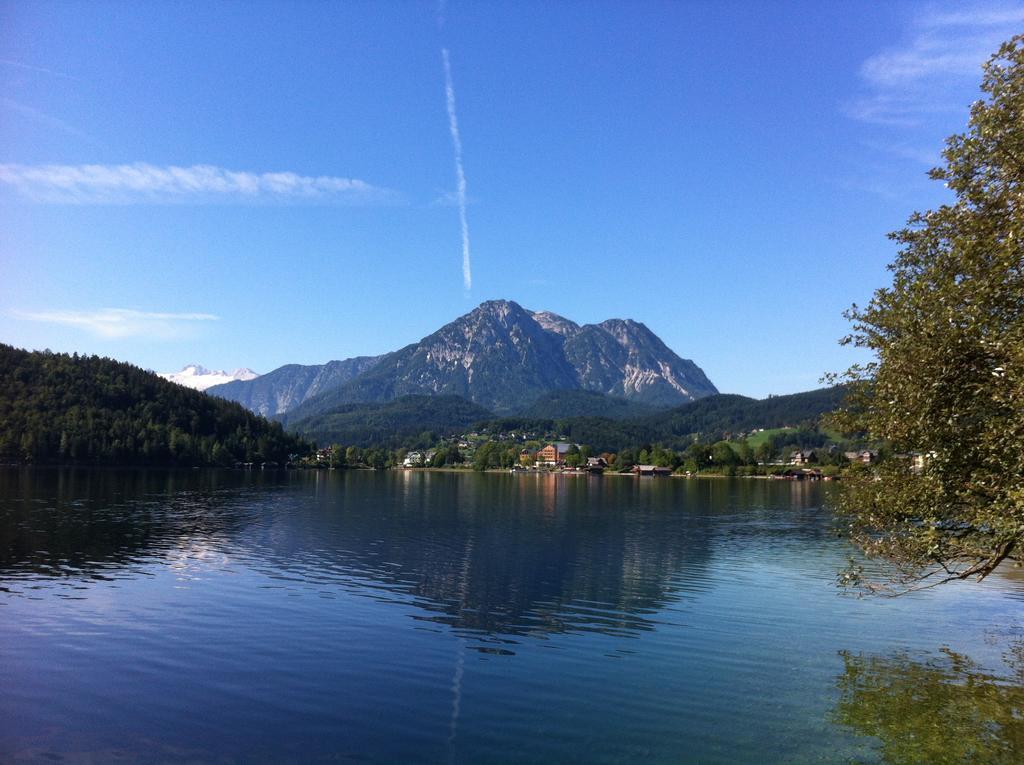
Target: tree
745,453
337,456
486,456
353,456
455,457
377,459
572,456
947,382
722,454
697,456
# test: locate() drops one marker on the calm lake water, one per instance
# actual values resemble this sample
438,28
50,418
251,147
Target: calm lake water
219,616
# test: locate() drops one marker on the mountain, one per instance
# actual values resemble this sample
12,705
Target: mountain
57,408
622,357
410,420
198,377
503,357
286,387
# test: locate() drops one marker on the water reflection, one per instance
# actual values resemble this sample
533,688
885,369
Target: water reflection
935,709
81,525
393,617
493,555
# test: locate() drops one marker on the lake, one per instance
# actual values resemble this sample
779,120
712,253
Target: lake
229,616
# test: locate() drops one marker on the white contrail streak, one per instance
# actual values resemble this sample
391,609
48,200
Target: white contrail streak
460,175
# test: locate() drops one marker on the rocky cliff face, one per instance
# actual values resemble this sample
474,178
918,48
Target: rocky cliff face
286,387
496,356
503,357
622,357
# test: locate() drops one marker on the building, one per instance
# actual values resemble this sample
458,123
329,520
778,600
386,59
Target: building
651,470
804,474
867,456
803,457
553,454
418,459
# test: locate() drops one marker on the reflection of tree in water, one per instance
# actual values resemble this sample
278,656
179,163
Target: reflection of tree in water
936,709
74,523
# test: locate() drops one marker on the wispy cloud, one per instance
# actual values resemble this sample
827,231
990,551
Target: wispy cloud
446,199
37,69
115,323
42,118
145,183
926,158
460,175
907,85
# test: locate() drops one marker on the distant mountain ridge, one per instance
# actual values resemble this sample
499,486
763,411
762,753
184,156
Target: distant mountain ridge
286,387
198,377
499,356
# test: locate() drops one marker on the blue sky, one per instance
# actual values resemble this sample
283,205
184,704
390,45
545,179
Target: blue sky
254,184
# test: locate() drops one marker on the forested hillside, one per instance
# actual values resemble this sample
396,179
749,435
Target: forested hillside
708,419
730,414
419,421
560,404
413,421
60,408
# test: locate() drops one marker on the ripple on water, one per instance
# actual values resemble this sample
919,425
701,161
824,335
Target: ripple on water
219,616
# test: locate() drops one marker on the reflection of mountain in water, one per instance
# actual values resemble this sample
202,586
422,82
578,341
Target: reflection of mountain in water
491,554
520,555
512,555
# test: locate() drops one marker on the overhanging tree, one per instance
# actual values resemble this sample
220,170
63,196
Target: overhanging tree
947,384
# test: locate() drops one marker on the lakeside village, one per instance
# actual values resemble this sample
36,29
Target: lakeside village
754,454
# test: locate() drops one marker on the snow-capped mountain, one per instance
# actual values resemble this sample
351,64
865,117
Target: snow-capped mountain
199,377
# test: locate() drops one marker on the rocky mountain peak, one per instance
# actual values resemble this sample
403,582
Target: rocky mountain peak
499,309
552,322
503,357
625,330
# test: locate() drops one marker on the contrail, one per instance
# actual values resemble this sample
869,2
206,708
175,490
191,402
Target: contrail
460,175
